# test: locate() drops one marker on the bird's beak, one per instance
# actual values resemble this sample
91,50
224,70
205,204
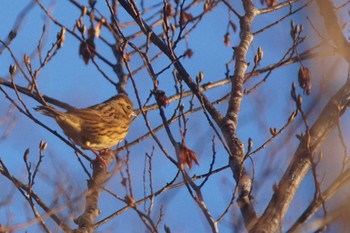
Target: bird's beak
134,113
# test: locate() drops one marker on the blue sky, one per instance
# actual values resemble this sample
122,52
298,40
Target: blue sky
68,79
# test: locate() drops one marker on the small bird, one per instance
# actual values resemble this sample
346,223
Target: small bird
98,127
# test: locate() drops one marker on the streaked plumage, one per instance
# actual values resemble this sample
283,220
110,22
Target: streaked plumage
98,127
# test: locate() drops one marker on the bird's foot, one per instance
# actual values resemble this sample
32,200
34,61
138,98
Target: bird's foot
100,158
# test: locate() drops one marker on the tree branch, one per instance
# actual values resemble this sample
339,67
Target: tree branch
300,165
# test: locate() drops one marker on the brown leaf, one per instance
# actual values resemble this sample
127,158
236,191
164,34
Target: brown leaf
86,50
185,17
168,10
187,156
127,57
270,3
124,182
161,98
91,33
233,26
130,200
304,79
188,53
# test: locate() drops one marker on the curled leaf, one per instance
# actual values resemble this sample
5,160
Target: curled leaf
186,17
270,3
188,53
187,156
304,79
87,48
168,9
161,98
130,200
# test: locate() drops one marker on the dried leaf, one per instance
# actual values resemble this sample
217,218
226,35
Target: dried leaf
187,156
304,79
127,57
168,10
188,53
270,3
233,26
91,33
130,200
124,182
185,17
87,48
161,98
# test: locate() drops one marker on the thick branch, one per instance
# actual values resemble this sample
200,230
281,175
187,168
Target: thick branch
87,219
179,67
334,31
300,165
339,183
229,126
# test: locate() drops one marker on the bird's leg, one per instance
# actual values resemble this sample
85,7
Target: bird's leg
106,151
99,157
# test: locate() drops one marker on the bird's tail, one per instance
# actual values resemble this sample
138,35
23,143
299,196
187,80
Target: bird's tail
48,111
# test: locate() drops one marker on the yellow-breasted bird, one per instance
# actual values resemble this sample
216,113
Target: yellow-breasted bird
98,127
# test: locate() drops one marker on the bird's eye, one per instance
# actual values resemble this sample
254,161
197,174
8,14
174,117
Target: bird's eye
129,107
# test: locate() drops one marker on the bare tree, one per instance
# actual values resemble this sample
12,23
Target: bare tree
242,123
